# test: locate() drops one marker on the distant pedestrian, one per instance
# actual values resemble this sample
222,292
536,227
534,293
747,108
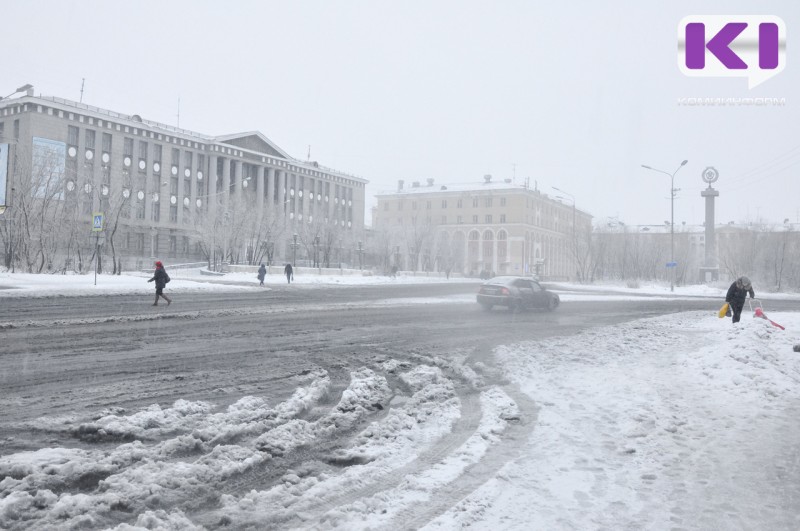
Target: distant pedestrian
736,295
394,271
289,273
161,278
447,272
262,272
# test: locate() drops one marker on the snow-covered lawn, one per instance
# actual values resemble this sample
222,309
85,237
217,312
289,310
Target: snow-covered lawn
183,281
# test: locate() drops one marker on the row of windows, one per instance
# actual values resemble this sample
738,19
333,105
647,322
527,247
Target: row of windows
487,219
166,138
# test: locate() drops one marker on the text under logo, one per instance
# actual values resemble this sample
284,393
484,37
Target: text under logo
751,46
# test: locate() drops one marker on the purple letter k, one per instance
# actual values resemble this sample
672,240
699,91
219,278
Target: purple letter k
718,45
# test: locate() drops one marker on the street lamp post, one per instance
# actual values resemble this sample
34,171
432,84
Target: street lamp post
294,250
671,220
360,255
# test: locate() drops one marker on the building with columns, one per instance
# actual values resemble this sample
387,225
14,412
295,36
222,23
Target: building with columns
168,188
500,227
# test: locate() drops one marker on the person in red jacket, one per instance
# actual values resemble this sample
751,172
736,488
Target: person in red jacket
161,277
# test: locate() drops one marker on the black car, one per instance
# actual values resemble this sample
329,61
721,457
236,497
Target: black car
516,293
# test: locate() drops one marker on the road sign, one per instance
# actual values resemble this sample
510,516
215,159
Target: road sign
672,264
97,221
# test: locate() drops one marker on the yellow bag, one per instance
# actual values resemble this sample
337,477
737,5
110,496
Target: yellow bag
724,310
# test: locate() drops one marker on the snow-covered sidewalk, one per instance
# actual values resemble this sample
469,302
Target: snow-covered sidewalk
681,421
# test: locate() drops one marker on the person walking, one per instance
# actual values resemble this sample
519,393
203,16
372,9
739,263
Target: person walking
161,278
262,272
736,295
289,273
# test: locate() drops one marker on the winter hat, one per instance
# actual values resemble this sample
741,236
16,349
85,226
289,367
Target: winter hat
159,264
745,282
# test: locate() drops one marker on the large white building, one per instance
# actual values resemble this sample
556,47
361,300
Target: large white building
493,226
167,183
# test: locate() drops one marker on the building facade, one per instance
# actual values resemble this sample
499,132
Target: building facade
166,190
495,227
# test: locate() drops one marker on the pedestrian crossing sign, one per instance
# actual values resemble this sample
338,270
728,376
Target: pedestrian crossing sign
97,222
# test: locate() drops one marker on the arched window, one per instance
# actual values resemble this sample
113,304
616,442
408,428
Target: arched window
474,241
488,248
502,246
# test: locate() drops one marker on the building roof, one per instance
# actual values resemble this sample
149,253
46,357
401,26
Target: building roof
253,141
459,188
429,187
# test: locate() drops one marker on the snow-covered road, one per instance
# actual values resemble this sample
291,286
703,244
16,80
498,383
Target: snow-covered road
676,421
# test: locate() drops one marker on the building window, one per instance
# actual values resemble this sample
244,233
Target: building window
459,204
502,218
475,218
488,218
107,142
444,203
72,135
173,213
502,201
128,147
2,130
140,243
428,206
475,201
459,220
89,139
157,153
488,201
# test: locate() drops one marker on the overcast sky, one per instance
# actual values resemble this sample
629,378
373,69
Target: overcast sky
575,95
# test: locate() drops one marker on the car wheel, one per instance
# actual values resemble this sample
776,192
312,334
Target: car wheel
553,304
487,307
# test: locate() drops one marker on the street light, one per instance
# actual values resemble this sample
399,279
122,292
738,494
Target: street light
23,88
360,255
672,219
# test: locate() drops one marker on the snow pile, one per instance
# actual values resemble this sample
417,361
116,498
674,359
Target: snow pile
676,421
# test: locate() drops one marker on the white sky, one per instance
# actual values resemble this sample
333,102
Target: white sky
575,95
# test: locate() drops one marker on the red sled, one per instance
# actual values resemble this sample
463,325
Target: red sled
760,313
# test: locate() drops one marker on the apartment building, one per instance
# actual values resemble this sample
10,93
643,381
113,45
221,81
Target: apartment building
494,226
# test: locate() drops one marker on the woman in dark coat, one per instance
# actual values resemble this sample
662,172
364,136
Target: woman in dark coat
262,272
736,295
161,277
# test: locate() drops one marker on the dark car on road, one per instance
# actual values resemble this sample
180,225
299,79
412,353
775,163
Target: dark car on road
516,293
